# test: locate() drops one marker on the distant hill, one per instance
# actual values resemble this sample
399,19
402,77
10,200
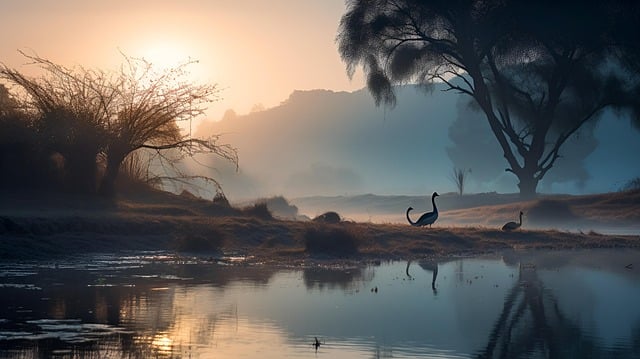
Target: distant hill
326,143
321,142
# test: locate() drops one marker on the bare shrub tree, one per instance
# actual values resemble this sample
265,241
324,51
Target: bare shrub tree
83,113
70,111
149,107
21,164
458,177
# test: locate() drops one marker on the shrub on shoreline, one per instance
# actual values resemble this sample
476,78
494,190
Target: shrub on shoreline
332,240
328,217
211,241
258,210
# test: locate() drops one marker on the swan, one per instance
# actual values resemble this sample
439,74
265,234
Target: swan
427,218
511,226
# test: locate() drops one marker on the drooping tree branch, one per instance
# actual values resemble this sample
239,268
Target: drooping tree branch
194,146
532,67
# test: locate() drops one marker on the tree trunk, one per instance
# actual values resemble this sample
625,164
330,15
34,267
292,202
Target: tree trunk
80,170
108,182
527,185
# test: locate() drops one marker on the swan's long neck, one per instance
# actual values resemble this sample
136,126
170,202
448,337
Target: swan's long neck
409,218
433,202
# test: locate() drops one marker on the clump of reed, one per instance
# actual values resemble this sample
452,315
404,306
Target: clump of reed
335,240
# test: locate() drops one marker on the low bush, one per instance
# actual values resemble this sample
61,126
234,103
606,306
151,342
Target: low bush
258,210
330,240
328,217
220,199
550,212
280,207
209,241
632,185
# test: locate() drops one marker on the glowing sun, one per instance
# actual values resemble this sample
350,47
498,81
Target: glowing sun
165,54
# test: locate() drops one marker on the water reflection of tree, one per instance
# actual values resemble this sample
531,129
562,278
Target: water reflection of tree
531,324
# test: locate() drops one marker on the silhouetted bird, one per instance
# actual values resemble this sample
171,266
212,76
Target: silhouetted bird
511,226
427,218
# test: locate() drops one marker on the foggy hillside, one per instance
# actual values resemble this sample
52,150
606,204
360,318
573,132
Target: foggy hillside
321,142
325,143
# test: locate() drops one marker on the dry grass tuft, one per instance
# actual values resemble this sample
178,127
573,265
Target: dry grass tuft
221,200
197,241
333,240
550,212
258,210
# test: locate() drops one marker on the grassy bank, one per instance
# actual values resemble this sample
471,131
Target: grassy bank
42,227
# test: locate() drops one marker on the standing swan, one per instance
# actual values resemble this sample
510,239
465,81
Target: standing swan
511,226
427,218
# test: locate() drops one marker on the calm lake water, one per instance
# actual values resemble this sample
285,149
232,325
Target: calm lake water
574,304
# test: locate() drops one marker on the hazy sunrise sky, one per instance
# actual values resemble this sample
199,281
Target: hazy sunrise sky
257,51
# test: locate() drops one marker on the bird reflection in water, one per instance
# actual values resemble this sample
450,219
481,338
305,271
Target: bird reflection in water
427,265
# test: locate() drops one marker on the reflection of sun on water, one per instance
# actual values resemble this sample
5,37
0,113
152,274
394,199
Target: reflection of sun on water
205,325
162,344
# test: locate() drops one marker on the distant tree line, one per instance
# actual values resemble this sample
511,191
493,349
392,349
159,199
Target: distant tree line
75,129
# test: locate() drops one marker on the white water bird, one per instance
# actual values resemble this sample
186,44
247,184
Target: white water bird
428,218
512,226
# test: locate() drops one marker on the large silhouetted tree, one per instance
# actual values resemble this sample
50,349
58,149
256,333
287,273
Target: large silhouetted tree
474,147
538,70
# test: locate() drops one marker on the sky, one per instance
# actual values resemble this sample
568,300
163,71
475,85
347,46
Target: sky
256,51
